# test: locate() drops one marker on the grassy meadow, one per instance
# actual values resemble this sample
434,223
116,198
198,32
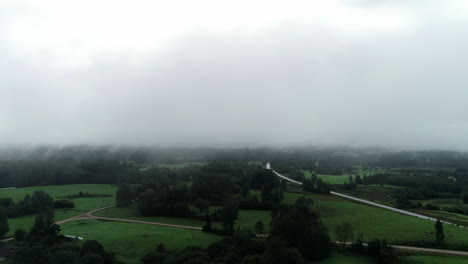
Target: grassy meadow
130,242
82,205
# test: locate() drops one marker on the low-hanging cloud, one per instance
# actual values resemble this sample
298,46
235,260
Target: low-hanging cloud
287,80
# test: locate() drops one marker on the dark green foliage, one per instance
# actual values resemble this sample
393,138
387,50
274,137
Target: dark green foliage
123,196
316,186
44,226
61,204
308,185
20,235
465,198
300,227
166,201
4,227
259,227
382,252
344,232
229,214
430,206
93,252
439,233
358,245
374,247
40,201
207,226
6,202
266,193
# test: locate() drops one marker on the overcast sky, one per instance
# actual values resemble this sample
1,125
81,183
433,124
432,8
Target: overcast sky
235,73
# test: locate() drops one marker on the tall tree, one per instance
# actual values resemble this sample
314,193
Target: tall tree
259,227
344,232
123,197
266,192
229,214
439,233
4,227
40,201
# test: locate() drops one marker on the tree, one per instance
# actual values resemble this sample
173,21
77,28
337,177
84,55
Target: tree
20,235
145,206
299,225
202,205
4,227
374,247
39,225
40,201
51,228
123,197
439,233
259,227
344,233
308,185
228,215
207,226
358,179
284,185
465,198
266,192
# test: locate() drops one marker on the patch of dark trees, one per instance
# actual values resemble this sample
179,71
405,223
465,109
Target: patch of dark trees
33,204
189,192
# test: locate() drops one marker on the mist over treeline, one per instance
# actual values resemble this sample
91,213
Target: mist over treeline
305,157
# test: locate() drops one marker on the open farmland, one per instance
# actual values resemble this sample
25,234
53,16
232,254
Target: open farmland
82,205
130,242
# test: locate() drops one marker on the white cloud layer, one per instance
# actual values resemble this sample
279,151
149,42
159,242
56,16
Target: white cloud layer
234,73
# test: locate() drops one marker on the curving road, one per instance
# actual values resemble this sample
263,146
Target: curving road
268,166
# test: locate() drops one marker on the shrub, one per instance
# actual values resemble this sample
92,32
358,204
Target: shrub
60,204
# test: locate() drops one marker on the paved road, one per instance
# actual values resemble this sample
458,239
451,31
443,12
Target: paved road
268,166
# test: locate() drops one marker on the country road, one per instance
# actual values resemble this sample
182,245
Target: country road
268,166
89,216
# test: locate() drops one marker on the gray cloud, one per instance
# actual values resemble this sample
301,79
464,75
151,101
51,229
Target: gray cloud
288,83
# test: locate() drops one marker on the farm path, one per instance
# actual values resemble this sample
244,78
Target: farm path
89,216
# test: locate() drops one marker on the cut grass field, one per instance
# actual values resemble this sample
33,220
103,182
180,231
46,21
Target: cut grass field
374,193
348,258
379,223
130,242
132,213
433,259
340,179
246,219
82,205
446,216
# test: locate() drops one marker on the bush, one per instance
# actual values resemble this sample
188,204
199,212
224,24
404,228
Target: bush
20,235
60,204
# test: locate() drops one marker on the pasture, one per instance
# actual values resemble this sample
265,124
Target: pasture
378,223
130,242
82,205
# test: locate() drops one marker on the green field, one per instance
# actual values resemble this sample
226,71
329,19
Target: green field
378,194
82,205
378,223
246,220
131,241
433,259
345,258
132,213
